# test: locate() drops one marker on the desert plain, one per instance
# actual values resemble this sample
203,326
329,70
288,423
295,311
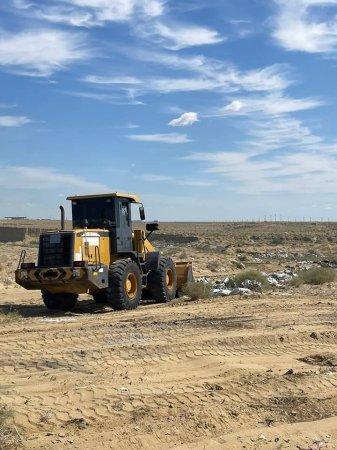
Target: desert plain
233,372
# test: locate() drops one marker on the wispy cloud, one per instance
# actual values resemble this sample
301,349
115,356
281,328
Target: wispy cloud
8,105
186,119
128,126
279,154
177,37
13,121
112,99
94,79
298,26
41,52
300,172
200,74
171,138
90,13
155,178
273,104
22,177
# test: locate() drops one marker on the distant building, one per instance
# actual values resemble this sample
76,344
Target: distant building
15,218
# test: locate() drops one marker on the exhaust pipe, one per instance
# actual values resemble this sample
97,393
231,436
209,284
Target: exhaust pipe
62,217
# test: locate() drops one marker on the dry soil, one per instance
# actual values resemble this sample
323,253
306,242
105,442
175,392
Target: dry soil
220,373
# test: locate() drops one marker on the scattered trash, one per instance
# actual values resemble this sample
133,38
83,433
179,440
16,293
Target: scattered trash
227,286
253,285
240,291
279,279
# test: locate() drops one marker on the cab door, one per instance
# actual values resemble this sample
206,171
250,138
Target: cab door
124,229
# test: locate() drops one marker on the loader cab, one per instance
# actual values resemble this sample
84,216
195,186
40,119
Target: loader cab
111,212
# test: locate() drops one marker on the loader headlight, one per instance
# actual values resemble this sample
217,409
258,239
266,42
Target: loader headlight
76,272
24,274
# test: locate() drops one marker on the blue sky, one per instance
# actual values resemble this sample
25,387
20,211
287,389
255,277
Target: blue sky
210,110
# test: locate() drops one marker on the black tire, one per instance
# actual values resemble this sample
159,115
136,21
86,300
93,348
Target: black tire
125,285
61,302
101,297
162,283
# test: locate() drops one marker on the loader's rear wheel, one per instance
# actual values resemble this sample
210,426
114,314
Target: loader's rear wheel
125,285
63,302
162,283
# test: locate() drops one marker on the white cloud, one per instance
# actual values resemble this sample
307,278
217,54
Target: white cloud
120,10
13,121
172,138
281,132
271,105
89,13
21,177
41,52
104,97
179,37
279,154
299,172
186,119
234,106
183,182
299,27
199,74
128,126
65,15
211,74
272,78
94,79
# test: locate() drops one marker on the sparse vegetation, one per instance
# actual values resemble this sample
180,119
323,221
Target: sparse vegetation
277,240
252,275
197,290
183,255
316,276
213,266
9,315
9,439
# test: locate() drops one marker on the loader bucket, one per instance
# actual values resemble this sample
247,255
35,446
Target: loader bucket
184,273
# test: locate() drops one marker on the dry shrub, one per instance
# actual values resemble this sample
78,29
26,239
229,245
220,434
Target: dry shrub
9,439
9,315
316,275
252,275
183,255
213,266
197,290
296,281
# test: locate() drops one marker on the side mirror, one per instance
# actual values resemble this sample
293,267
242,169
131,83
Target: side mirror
142,213
154,226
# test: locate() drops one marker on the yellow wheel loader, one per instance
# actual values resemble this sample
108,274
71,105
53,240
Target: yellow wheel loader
102,255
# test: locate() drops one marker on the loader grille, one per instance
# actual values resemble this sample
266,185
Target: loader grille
56,250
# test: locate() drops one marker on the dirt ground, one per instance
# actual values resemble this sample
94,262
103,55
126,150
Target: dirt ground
220,373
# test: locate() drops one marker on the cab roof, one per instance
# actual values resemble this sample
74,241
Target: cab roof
133,198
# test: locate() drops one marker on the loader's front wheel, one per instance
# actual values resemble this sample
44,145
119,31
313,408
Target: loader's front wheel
63,302
100,297
125,285
162,283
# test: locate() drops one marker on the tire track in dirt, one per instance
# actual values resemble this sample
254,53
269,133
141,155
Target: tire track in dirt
201,373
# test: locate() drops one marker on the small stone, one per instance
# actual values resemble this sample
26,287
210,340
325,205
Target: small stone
262,437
